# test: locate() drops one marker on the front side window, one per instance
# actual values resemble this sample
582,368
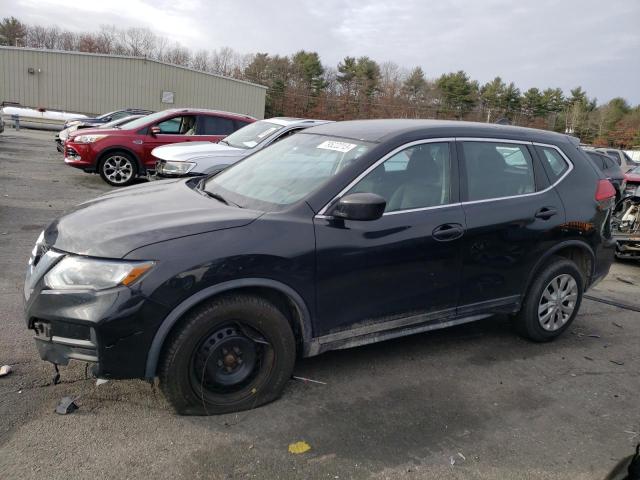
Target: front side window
416,177
286,172
185,125
496,170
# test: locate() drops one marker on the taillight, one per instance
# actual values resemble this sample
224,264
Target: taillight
605,191
605,194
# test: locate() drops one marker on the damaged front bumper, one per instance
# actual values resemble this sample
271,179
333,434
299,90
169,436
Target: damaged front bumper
59,350
111,328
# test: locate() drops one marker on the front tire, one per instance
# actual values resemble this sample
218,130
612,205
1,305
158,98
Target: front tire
118,169
552,302
234,353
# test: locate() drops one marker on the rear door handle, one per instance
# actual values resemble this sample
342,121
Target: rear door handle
545,213
447,232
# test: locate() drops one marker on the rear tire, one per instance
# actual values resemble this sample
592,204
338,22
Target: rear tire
118,169
552,302
234,353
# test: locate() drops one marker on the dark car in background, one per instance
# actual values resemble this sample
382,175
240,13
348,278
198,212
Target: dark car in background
340,235
93,122
611,170
119,155
87,122
625,162
63,135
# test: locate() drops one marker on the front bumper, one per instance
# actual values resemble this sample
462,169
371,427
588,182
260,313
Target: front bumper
79,156
111,328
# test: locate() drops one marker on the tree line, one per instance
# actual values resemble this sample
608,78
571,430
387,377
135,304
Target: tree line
301,85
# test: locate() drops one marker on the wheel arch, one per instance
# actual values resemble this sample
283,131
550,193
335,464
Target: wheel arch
271,289
578,251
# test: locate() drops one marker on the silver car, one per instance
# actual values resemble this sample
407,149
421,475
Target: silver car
204,158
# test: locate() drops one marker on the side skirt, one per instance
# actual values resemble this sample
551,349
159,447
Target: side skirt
399,327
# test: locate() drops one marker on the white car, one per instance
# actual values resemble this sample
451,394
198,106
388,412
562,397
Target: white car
204,158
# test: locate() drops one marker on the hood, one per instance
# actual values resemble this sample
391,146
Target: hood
93,131
114,224
184,152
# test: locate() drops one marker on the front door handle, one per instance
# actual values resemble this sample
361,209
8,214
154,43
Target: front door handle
545,213
447,232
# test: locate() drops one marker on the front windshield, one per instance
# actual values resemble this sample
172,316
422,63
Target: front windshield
106,115
142,121
252,134
120,121
636,170
285,172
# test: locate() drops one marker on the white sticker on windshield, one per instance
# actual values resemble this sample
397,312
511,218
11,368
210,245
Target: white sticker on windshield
250,144
343,147
268,131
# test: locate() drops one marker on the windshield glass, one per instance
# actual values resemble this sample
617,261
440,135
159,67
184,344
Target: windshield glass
120,121
635,170
105,115
141,122
286,171
252,134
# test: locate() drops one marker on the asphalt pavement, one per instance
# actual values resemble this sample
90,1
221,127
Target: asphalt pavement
474,401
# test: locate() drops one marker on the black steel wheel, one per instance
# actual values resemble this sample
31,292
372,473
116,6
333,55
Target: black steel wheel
234,353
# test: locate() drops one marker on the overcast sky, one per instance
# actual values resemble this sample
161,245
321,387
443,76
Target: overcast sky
542,43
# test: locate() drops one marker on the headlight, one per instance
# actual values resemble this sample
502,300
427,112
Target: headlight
88,273
88,138
175,168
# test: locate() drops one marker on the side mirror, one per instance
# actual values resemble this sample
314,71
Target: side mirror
155,130
360,206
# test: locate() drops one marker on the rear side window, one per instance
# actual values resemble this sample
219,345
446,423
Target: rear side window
555,163
210,125
613,154
495,170
599,160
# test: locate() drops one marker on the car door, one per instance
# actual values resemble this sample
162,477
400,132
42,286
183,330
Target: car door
512,216
214,128
406,263
180,128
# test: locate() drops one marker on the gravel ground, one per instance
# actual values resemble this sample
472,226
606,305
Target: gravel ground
474,401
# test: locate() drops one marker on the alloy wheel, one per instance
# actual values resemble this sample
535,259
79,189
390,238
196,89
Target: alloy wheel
118,169
557,303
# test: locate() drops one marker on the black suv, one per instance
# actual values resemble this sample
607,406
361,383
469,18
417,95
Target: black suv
345,234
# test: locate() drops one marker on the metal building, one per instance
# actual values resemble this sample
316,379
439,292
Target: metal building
95,83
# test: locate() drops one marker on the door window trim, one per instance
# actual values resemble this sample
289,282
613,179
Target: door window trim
322,213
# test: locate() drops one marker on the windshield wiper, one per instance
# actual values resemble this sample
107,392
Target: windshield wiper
224,142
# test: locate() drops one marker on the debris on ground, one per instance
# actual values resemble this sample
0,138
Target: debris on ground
67,405
299,447
593,335
617,362
617,325
625,280
303,379
588,358
5,370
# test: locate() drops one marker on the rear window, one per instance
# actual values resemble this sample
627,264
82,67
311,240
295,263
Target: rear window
554,162
210,125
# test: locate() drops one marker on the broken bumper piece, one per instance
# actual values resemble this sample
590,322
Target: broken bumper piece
59,350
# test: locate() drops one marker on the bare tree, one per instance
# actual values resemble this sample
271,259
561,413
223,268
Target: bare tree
200,60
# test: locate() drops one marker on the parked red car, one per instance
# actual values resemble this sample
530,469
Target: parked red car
119,155
633,180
